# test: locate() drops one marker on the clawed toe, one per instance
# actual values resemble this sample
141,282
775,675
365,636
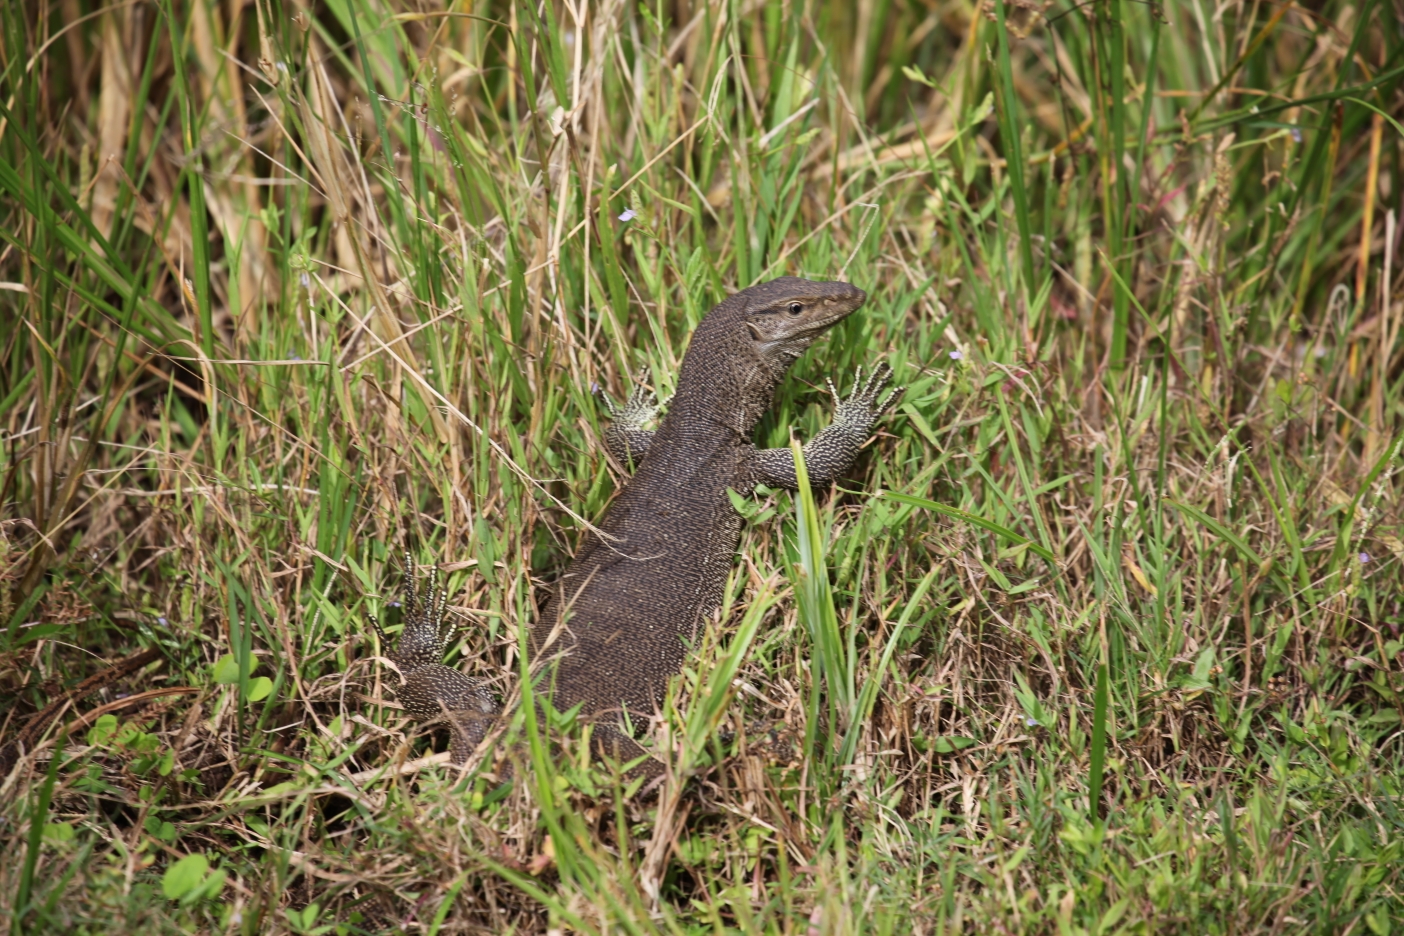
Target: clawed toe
891,399
867,391
640,397
641,406
877,380
424,637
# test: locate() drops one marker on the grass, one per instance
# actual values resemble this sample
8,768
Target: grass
1103,634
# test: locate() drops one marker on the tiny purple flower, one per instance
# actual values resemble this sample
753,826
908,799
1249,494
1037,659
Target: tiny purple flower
628,214
394,604
163,622
957,355
1296,135
294,357
1030,722
1364,558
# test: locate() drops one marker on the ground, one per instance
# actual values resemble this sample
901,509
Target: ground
1101,634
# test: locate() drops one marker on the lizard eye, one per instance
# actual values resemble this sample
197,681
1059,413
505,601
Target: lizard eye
796,308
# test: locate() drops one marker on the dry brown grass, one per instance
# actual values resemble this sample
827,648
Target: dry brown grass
263,330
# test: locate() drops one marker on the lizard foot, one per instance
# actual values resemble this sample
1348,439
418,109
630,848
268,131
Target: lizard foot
428,690
772,740
642,406
866,403
424,639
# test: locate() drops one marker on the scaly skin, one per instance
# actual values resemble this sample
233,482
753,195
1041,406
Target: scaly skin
625,610
429,690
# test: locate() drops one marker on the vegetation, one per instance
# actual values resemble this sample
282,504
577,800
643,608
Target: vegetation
1103,634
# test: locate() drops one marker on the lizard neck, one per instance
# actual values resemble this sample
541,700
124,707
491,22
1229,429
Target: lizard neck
724,380
743,347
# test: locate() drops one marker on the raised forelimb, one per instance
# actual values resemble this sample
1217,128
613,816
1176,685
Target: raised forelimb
832,451
625,438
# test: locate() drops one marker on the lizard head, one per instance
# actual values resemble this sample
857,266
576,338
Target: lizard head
741,350
784,316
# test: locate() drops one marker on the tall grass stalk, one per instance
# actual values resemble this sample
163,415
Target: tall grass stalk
285,292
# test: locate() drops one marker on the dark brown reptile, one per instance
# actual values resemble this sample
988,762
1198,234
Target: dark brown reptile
624,612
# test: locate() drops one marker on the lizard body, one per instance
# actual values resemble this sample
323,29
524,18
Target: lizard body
617,627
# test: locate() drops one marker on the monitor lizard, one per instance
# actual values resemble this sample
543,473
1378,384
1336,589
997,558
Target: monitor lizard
620,619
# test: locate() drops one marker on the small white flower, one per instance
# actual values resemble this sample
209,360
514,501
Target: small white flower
628,214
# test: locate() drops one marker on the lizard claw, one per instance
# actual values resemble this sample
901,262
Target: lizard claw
428,690
642,406
424,637
867,402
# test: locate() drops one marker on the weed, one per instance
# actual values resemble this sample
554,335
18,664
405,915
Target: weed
1103,633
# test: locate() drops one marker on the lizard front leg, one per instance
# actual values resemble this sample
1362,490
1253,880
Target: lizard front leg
625,438
831,452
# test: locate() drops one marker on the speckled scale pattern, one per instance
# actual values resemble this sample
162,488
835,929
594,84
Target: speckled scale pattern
633,602
621,617
428,690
